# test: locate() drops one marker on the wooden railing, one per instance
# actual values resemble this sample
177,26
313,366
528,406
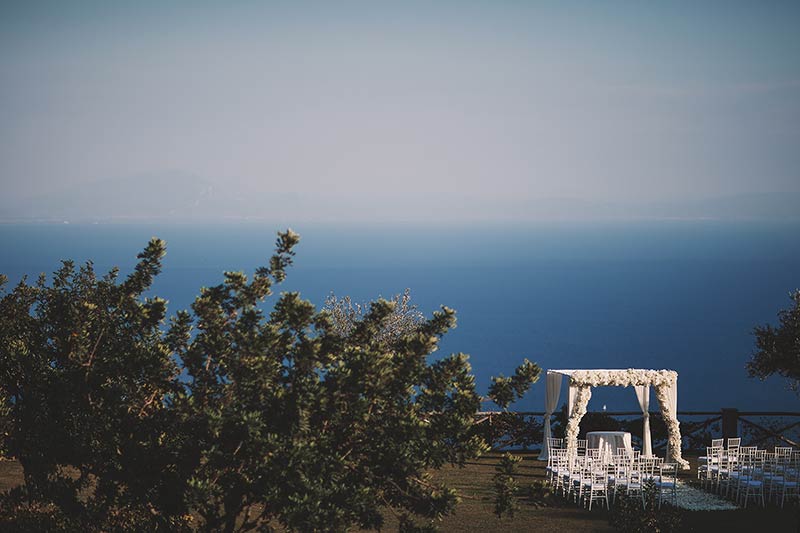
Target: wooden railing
523,429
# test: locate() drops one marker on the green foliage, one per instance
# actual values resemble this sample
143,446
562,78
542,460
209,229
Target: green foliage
778,349
229,418
84,373
506,487
404,319
508,429
503,391
628,516
540,494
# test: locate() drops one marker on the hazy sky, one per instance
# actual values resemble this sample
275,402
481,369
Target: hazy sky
630,101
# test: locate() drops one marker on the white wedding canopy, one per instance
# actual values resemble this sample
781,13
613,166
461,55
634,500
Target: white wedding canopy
581,382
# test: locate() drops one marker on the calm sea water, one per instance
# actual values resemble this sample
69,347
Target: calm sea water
680,295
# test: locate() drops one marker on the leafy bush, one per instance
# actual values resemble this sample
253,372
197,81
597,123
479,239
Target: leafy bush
233,417
628,516
540,494
506,487
511,429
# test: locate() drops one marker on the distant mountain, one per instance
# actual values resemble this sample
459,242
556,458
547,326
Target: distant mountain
164,196
184,197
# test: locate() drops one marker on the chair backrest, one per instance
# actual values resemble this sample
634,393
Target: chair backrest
734,442
752,466
555,443
648,467
717,443
555,456
560,457
791,468
783,451
581,446
748,450
594,453
714,453
668,472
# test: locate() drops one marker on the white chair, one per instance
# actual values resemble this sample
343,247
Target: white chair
648,471
577,475
561,471
667,483
706,471
551,469
751,482
619,473
728,474
702,461
595,484
787,486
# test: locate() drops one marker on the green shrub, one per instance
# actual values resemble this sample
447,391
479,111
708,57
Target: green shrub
238,418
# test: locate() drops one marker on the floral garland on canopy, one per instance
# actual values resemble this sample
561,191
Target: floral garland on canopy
662,380
582,395
622,378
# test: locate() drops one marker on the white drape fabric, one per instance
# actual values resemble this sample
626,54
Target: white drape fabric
571,399
552,392
643,395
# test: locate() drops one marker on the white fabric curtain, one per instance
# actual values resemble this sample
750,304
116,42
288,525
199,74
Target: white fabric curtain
571,399
552,392
643,395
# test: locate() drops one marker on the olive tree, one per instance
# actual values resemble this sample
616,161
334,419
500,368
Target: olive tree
778,348
229,417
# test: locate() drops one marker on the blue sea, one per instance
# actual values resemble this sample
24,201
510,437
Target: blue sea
683,295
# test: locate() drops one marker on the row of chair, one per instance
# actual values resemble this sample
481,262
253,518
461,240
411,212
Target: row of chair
591,477
742,473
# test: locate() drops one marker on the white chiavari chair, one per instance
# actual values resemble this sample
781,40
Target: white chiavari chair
561,474
708,464
648,472
577,474
618,474
595,483
774,464
728,474
787,486
751,484
552,464
667,483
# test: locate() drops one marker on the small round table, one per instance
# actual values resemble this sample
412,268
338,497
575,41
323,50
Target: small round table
608,441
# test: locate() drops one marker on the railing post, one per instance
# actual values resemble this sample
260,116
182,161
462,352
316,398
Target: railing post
730,423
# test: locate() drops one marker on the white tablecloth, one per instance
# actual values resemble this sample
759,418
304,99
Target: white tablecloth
609,441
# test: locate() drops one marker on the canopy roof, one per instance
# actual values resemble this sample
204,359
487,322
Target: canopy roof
620,377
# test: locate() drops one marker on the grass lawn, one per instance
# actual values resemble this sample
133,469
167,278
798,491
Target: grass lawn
476,511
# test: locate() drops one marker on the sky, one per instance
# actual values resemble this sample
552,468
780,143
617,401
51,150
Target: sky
485,103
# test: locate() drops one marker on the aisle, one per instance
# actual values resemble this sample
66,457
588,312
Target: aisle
694,499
